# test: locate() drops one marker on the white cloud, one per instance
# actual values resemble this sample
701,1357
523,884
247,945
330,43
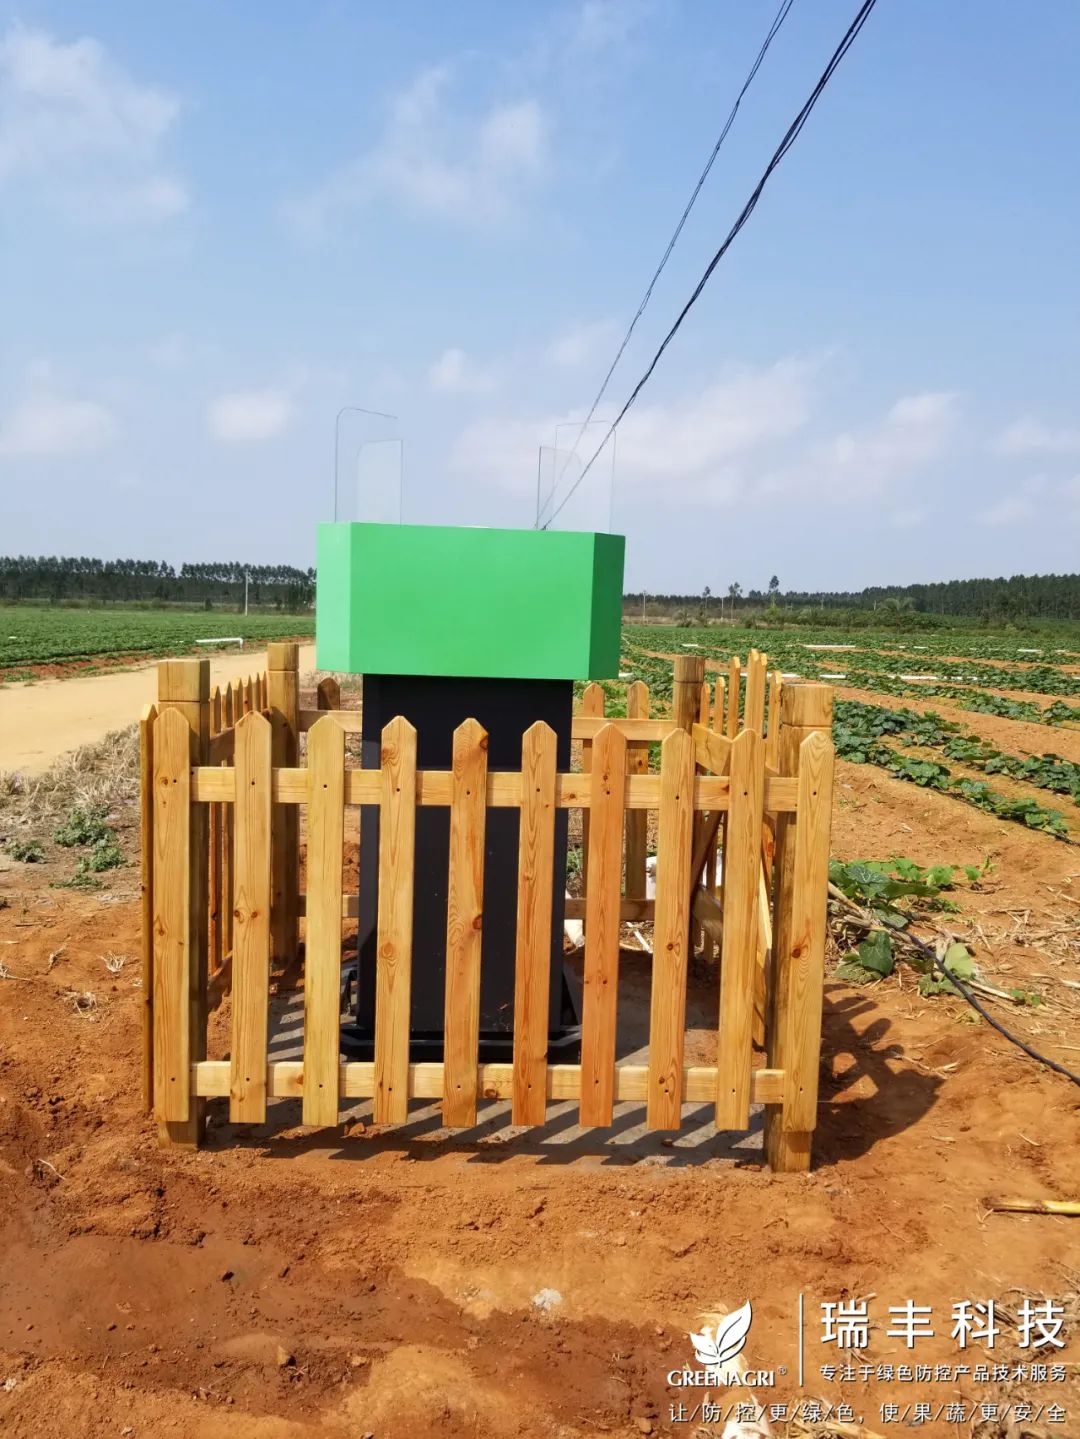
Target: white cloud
602,25
1032,437
79,130
455,374
742,412
434,161
864,462
692,447
1010,510
1036,495
581,344
743,437
245,415
908,517
49,425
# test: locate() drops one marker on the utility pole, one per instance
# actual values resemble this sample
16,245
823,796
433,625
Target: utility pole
246,591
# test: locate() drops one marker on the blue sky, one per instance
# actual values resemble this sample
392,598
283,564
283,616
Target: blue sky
221,224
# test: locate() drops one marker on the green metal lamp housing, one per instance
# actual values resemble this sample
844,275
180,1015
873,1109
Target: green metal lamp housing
440,600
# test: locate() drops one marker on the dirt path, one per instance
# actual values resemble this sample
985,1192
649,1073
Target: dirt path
40,722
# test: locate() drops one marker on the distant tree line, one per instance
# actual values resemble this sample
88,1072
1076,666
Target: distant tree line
1018,597
71,579
82,580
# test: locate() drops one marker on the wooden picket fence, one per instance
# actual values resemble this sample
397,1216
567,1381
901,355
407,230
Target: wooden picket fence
746,766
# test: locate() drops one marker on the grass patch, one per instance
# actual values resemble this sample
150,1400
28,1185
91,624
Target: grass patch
80,803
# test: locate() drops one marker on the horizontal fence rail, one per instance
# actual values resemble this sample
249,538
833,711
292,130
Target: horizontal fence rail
744,782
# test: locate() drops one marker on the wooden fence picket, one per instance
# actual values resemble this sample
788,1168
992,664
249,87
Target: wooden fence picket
773,737
328,694
464,925
754,708
734,678
671,932
637,821
393,965
146,891
532,961
278,696
251,922
742,871
705,705
229,717
593,701
719,723
174,750
215,828
322,954
602,889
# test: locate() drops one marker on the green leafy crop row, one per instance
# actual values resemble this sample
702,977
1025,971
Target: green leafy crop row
859,730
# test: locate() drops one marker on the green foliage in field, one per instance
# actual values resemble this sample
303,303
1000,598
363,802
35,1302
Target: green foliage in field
88,828
83,826
861,730
877,887
858,729
30,635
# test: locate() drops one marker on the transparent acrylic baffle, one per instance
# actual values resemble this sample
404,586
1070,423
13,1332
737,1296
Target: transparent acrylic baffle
369,468
567,498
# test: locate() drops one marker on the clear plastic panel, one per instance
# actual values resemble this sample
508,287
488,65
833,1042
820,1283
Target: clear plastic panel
565,500
369,468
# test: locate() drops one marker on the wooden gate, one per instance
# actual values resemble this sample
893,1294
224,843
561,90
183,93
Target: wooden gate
222,902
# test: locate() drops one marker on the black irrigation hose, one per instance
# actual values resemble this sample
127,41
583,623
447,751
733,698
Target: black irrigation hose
981,1010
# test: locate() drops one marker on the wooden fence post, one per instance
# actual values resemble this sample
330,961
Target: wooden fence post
793,1038
685,711
184,686
283,699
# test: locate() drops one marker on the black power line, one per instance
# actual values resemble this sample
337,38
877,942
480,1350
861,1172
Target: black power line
791,135
778,20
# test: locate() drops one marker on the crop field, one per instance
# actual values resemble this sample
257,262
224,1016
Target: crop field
45,636
1036,684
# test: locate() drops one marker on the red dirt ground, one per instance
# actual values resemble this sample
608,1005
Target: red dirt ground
285,1284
